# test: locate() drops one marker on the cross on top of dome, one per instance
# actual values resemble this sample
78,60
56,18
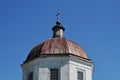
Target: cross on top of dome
58,16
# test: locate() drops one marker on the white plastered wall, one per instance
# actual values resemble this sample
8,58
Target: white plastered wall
80,65
68,67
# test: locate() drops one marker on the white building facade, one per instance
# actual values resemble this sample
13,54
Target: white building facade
57,59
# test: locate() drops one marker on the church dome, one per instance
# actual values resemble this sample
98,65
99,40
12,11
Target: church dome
56,45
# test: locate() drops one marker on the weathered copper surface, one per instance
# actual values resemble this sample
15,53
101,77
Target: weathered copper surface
56,46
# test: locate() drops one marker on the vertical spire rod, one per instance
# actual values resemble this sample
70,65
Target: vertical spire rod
58,16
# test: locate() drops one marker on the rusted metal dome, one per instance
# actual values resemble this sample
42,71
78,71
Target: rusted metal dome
58,45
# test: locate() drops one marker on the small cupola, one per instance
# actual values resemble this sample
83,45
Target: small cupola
58,30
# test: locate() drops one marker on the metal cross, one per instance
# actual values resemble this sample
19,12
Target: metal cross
58,16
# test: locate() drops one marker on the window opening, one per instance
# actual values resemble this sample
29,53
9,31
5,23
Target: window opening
79,75
30,76
54,75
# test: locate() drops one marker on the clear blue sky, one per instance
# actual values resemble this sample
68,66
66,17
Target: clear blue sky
94,24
